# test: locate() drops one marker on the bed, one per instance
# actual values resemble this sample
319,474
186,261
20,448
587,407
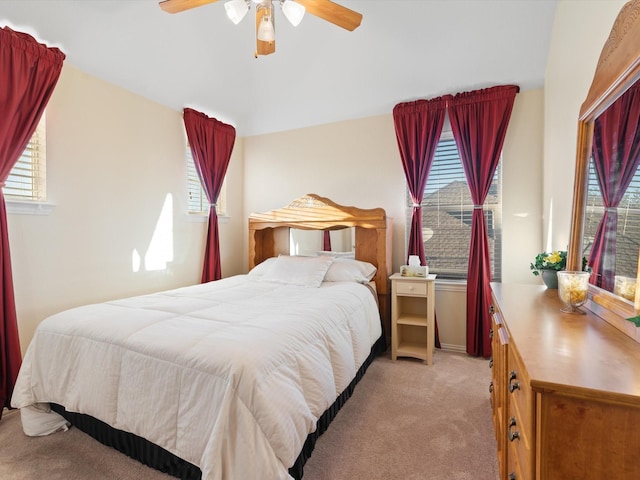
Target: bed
229,379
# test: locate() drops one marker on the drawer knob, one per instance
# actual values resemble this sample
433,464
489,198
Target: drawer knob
491,362
491,309
513,435
490,387
513,385
512,476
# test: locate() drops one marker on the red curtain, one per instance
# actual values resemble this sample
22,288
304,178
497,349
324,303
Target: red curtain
418,127
29,72
616,155
326,241
479,121
211,143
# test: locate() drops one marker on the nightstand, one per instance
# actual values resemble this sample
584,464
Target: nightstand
412,317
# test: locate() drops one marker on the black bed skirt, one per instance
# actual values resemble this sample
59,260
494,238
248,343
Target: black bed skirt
160,459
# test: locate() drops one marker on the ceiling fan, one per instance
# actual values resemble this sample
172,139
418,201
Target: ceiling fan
265,32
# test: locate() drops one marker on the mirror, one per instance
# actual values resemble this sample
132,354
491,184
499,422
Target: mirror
310,242
611,237
617,71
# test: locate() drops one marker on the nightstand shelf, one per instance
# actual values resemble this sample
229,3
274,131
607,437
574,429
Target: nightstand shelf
412,349
412,317
418,320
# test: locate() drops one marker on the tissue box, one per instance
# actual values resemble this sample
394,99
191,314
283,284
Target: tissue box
410,271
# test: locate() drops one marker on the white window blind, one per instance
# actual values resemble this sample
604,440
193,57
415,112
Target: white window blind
628,222
27,179
197,200
447,210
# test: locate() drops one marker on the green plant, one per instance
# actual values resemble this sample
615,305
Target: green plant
556,260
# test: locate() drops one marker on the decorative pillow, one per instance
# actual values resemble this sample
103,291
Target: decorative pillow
257,272
298,270
347,270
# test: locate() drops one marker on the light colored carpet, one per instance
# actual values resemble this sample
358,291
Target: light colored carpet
411,421
405,420
70,455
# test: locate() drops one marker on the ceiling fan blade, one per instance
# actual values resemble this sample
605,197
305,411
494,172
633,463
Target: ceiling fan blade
175,6
332,12
263,47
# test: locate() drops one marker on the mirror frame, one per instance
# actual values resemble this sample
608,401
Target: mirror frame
618,68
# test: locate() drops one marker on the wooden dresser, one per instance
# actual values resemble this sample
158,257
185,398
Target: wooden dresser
565,390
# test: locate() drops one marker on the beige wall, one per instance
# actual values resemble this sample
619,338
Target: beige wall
115,167
522,187
580,30
353,163
357,163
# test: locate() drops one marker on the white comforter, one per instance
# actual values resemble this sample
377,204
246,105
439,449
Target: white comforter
230,375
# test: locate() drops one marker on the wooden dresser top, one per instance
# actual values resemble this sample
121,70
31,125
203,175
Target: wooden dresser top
579,354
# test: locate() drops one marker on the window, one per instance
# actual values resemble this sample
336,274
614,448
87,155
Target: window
27,179
197,202
628,223
447,211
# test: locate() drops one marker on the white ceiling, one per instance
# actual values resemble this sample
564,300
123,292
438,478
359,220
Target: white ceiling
320,73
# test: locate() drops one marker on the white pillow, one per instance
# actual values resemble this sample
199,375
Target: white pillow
257,272
298,270
331,253
347,270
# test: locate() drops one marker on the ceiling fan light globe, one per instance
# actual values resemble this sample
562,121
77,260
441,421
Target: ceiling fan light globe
236,10
293,11
266,33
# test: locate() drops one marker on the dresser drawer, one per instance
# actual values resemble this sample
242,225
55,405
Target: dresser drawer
520,451
520,431
415,289
520,394
514,472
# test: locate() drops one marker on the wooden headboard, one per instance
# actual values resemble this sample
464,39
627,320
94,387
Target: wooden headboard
269,235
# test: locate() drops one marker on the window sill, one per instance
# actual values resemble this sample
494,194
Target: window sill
194,217
17,207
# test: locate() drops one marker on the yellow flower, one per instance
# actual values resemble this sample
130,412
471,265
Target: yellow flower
553,257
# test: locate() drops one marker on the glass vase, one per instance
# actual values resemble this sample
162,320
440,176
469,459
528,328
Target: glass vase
572,290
